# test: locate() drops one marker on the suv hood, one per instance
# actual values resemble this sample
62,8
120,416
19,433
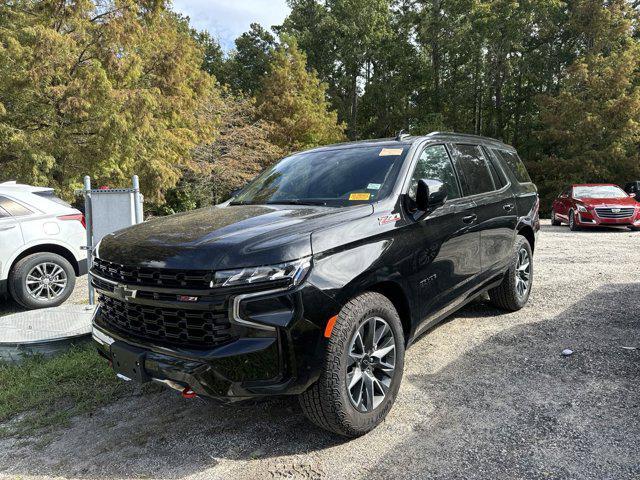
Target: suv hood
224,237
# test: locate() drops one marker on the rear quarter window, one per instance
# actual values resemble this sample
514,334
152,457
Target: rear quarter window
14,208
515,164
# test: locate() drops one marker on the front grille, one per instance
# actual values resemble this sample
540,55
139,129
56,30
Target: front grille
169,326
153,277
615,212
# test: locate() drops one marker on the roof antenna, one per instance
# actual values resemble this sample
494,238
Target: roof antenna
402,134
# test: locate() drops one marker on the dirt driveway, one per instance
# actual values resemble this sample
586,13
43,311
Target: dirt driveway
485,395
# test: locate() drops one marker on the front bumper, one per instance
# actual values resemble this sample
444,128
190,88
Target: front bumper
591,219
283,360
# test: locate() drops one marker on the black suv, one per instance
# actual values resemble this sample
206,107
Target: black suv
314,279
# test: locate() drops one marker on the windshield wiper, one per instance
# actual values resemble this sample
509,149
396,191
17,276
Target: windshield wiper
298,202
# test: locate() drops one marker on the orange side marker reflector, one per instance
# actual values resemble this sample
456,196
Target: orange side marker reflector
329,327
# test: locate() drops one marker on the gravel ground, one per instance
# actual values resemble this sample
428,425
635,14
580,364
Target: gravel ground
484,395
79,296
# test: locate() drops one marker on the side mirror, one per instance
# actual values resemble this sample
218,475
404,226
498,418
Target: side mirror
430,194
632,195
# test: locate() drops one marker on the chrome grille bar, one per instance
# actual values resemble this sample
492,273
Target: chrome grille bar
613,212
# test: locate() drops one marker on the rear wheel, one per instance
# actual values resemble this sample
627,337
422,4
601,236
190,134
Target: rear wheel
41,280
513,293
573,226
362,368
554,220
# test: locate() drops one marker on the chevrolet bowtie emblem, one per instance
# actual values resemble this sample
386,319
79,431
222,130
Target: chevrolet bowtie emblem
124,293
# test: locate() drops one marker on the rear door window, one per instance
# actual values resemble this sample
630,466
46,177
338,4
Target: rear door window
14,208
473,169
515,164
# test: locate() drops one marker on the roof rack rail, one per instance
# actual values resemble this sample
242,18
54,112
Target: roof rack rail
402,134
469,135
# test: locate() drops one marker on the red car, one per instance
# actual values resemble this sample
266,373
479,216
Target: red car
596,205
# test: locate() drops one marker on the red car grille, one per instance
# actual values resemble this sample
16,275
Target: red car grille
615,212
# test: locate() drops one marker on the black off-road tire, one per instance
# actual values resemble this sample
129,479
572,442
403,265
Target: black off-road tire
554,221
573,226
505,295
326,403
18,280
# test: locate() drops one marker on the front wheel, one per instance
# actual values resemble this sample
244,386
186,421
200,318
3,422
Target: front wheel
573,226
362,369
513,293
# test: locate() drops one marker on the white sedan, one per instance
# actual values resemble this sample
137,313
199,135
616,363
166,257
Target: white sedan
41,239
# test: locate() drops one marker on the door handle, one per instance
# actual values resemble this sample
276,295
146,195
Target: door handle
7,227
508,207
470,218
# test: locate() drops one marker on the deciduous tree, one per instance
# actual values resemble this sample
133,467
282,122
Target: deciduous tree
106,87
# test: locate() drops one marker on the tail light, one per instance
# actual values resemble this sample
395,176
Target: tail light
75,216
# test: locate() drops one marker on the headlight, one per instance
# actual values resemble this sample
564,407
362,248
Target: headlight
581,208
293,271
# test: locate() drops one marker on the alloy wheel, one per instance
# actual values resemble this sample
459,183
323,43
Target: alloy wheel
372,363
523,272
46,281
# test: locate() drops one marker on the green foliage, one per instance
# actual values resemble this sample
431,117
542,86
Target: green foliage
294,101
240,152
54,390
115,87
249,62
531,73
243,149
107,88
590,129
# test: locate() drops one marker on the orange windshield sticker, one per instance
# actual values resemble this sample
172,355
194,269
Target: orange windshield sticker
391,152
359,196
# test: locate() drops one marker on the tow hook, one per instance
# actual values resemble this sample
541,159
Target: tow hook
188,393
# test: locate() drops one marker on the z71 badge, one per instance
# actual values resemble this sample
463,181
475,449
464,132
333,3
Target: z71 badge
389,219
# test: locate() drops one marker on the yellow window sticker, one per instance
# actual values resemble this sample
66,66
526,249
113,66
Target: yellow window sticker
391,152
359,196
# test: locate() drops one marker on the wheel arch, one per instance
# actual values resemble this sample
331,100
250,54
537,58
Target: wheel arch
48,248
527,232
398,297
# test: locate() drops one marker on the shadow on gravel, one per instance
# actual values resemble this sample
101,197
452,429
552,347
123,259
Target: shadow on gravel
585,230
512,407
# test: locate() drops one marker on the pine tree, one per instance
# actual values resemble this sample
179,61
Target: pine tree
294,100
590,130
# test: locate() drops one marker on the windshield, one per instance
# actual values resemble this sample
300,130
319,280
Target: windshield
602,191
336,177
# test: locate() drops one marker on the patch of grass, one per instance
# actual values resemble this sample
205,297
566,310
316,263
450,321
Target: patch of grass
42,393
